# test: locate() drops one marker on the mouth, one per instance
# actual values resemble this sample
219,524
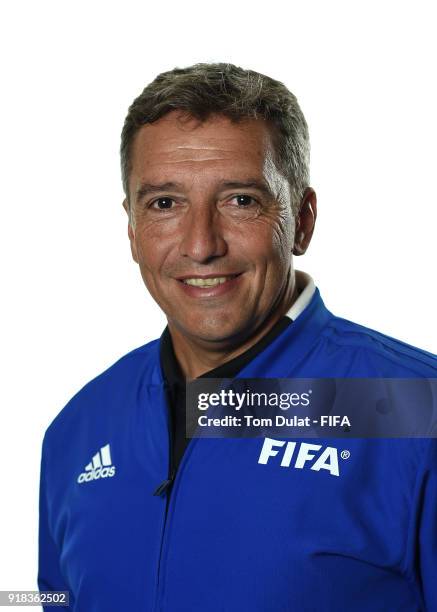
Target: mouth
209,286
207,282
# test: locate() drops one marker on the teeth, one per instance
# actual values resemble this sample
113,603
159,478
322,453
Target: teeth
206,282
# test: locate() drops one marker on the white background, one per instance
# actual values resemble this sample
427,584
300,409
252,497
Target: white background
72,299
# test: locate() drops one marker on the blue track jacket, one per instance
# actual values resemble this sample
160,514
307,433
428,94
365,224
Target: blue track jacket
238,535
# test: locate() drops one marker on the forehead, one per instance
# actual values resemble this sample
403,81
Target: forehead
177,144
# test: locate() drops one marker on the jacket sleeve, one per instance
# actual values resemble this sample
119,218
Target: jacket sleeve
49,573
427,529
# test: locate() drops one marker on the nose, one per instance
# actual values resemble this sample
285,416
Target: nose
201,235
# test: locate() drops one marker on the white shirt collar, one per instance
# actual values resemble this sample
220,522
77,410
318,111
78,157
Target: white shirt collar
307,288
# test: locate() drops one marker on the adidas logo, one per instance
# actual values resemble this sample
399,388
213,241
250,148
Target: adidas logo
100,466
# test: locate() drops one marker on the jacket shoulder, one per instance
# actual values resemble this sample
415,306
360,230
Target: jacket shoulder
394,357
139,366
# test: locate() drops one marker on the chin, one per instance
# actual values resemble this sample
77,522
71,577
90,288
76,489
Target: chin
215,330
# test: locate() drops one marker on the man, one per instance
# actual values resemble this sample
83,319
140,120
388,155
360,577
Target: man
136,517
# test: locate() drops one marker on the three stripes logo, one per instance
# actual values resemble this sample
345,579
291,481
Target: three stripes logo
99,467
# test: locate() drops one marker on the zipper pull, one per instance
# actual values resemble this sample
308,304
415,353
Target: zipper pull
164,486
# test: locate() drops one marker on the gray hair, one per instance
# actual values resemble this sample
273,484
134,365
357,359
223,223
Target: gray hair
203,90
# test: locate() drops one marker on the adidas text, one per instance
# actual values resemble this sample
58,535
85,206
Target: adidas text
95,474
99,467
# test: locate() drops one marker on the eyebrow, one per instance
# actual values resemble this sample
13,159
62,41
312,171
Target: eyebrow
249,184
149,188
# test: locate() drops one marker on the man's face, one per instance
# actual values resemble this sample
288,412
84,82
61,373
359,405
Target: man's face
212,225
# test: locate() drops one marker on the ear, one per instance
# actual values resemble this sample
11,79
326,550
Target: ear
131,232
305,221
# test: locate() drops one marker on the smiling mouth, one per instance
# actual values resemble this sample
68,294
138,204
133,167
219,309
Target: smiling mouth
208,282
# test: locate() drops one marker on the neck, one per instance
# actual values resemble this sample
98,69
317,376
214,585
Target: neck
196,356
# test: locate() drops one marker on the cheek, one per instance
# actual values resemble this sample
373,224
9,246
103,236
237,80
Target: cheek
282,241
284,228
155,242
152,252
268,240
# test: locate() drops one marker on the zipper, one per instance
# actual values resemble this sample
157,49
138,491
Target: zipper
165,485
166,528
165,488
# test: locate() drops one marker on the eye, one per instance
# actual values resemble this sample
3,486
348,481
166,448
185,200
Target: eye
240,207
162,204
244,200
